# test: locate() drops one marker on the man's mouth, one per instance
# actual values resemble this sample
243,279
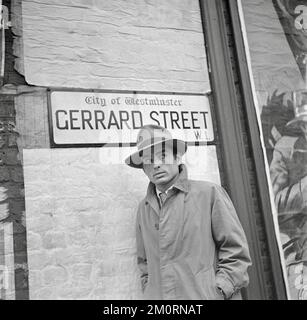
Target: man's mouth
158,174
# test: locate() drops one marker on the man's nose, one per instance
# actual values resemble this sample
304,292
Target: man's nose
157,162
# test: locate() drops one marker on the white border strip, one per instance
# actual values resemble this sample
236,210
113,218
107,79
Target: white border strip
251,78
9,260
2,30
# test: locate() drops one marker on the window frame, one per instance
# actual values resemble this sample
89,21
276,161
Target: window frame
235,163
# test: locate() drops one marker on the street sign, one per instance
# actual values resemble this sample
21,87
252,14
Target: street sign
99,118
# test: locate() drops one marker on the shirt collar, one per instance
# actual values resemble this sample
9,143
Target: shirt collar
158,192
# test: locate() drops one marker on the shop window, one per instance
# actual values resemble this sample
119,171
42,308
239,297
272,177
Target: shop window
276,44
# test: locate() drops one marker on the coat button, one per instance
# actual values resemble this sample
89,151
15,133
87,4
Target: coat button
157,226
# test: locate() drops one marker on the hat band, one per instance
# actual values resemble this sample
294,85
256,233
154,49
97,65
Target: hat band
152,141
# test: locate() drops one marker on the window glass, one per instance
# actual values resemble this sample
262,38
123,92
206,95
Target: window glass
276,34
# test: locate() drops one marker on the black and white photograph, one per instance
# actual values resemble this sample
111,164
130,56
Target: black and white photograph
153,150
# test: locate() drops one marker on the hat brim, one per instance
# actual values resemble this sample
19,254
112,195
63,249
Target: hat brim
135,160
296,121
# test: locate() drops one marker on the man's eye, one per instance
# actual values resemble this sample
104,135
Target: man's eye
147,161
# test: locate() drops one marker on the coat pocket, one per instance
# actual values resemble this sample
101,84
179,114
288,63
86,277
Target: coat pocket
207,285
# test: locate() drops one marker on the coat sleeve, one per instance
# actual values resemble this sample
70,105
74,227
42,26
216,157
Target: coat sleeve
233,258
141,254
289,198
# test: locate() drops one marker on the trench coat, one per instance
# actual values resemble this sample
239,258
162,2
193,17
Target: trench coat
192,245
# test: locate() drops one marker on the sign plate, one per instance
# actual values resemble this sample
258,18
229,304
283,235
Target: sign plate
99,118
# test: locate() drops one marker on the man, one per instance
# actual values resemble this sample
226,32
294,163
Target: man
190,243
288,171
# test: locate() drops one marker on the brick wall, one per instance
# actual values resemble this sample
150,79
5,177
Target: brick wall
12,204
79,209
80,225
81,222
11,76
153,45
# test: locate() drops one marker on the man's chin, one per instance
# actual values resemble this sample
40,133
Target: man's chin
160,181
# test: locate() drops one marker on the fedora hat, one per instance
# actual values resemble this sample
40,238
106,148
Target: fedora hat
300,114
150,137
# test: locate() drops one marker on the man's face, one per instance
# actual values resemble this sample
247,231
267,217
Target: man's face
160,166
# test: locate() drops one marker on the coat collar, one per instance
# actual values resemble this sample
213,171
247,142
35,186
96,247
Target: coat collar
181,184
